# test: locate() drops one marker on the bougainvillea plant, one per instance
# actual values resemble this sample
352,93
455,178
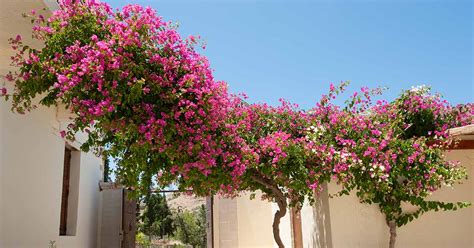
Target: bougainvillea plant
143,94
399,152
146,97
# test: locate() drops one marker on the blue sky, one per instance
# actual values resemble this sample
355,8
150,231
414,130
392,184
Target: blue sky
293,50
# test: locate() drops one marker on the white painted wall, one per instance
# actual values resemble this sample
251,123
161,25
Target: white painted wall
31,162
31,184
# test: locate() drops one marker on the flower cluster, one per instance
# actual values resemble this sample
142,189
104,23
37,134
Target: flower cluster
397,150
276,148
133,83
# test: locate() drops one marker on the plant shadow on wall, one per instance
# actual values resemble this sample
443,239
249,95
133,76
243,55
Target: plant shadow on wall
52,244
145,97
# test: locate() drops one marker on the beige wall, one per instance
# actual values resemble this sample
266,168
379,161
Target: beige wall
245,223
31,163
357,225
241,222
254,230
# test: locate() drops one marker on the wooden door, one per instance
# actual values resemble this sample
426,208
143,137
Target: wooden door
65,191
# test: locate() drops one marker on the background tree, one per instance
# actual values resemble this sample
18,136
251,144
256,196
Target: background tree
107,170
157,219
191,227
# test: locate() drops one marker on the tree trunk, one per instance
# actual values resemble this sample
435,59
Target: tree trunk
280,199
282,205
393,233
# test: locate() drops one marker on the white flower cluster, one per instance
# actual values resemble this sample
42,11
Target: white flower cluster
449,185
420,88
377,170
346,157
315,131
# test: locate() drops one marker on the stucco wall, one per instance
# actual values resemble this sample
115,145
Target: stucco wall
254,230
31,184
31,162
241,222
245,223
357,225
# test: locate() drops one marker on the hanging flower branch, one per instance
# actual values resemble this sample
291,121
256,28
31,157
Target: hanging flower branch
135,86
